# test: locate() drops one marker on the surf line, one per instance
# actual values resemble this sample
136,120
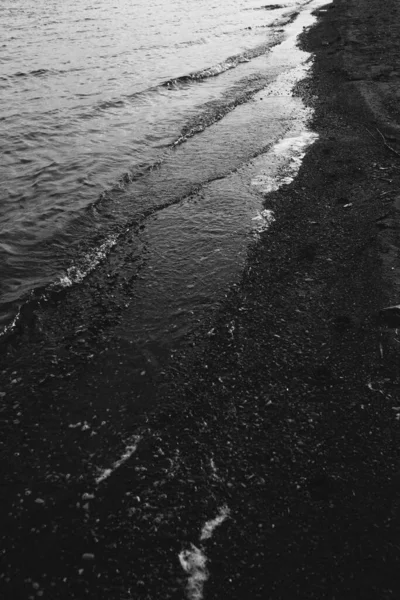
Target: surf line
194,560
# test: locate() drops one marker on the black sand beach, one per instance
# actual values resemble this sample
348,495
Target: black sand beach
280,415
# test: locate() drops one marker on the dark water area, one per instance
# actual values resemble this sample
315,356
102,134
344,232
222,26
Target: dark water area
115,116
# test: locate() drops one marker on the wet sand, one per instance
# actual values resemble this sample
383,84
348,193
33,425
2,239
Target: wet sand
271,467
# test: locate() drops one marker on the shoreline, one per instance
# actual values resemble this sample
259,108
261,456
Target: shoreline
283,415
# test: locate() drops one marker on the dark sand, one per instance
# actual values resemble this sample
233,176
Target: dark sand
284,413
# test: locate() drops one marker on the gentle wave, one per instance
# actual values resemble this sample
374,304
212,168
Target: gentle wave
230,63
183,80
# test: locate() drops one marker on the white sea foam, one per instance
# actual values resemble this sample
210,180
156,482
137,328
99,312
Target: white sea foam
214,468
194,560
11,325
129,450
209,526
194,563
286,157
76,274
281,164
263,220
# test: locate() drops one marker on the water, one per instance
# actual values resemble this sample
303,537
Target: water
113,110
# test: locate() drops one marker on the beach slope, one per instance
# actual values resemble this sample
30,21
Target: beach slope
271,467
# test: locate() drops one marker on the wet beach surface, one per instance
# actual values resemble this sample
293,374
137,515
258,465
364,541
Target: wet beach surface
269,463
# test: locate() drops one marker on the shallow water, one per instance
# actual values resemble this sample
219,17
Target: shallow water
113,111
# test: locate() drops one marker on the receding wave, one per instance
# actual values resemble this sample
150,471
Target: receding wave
216,110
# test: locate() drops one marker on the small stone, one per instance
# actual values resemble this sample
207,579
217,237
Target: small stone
87,556
39,501
88,496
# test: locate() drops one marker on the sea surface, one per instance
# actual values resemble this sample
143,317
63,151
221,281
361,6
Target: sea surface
174,117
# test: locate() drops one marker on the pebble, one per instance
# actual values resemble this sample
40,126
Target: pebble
88,496
87,556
